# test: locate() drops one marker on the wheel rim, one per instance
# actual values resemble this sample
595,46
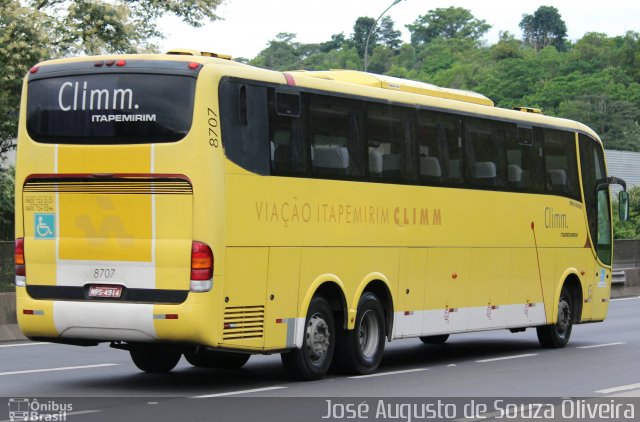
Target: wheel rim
317,338
564,317
368,334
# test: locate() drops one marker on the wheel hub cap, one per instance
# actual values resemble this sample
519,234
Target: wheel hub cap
368,334
317,338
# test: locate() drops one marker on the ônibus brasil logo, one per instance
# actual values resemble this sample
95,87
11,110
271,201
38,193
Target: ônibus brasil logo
22,409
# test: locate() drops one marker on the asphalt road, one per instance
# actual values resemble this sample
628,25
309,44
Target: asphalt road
101,384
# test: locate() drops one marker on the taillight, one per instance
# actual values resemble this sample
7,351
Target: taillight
18,257
201,266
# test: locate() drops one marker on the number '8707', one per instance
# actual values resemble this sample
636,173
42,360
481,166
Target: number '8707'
104,273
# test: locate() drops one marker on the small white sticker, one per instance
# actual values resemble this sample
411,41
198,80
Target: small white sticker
602,283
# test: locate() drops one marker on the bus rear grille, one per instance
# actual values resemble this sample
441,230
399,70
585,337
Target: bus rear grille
243,322
110,185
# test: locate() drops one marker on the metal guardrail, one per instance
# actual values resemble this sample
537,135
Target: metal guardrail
7,277
626,254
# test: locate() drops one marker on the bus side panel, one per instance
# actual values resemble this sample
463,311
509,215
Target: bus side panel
245,289
447,290
411,293
194,322
525,289
601,292
489,288
282,297
549,278
589,282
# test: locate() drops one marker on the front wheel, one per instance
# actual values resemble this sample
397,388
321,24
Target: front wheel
557,335
312,361
359,351
154,359
216,359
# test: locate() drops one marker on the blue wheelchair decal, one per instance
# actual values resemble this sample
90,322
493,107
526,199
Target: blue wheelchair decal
45,226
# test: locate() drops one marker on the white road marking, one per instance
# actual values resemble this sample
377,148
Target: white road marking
601,345
451,365
24,344
507,358
620,299
233,393
382,374
618,389
66,368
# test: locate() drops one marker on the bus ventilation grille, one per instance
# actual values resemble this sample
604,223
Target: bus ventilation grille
110,185
243,322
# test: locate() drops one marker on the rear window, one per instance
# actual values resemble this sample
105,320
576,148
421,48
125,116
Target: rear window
110,108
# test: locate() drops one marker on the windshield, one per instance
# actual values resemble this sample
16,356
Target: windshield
111,108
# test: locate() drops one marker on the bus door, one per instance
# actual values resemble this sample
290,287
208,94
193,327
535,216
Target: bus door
596,199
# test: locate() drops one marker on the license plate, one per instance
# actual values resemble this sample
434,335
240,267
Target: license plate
105,291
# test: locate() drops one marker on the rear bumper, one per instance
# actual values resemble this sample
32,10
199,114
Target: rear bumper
190,321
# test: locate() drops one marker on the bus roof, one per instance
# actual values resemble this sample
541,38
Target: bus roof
361,83
398,84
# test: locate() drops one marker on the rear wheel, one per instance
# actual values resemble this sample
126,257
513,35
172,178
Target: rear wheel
439,339
557,335
216,359
360,350
312,361
154,359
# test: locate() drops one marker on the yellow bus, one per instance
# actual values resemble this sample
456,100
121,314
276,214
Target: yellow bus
186,204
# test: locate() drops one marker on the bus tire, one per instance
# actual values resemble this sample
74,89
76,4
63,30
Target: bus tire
154,359
312,360
214,359
557,335
439,339
359,351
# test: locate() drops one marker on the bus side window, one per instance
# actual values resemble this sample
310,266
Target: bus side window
484,140
390,140
439,149
524,160
243,119
337,145
561,163
286,134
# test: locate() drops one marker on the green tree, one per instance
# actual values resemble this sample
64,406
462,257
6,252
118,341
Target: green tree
6,203
544,28
25,39
283,53
508,47
629,229
388,35
34,30
336,43
452,22
361,30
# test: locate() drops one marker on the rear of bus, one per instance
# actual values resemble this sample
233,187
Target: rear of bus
119,169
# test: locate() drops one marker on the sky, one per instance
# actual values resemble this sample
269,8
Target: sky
248,25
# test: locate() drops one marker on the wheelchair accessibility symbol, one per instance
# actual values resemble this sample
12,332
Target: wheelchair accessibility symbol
45,225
